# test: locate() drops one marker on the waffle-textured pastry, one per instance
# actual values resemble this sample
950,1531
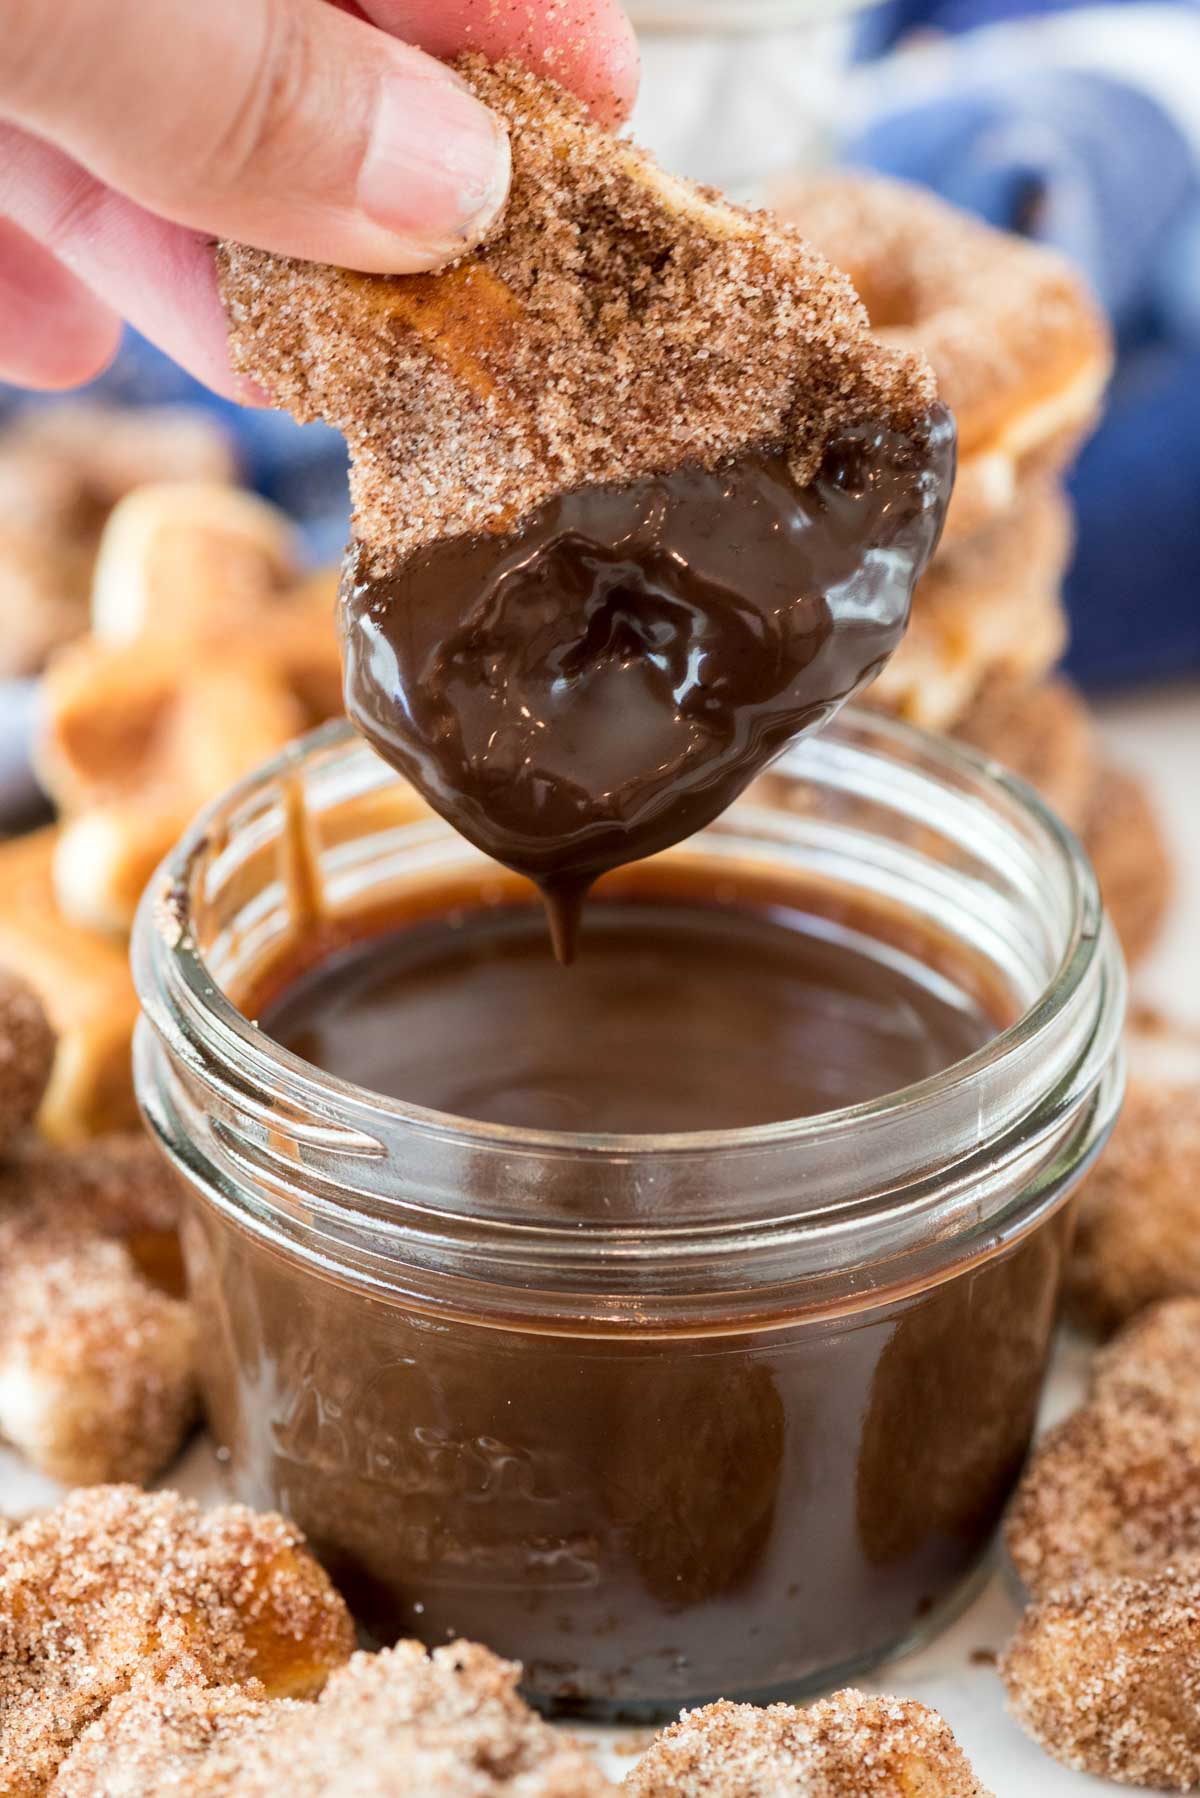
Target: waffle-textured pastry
618,322
847,1746
118,1590
1115,1489
1105,1676
1019,348
1042,732
1124,836
400,1724
208,654
986,610
83,981
62,468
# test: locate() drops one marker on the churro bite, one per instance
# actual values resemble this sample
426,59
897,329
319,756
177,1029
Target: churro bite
987,611
1124,836
1115,1489
208,653
851,1744
26,1055
97,1350
1105,1676
1044,733
117,1591
1137,1237
445,1725
83,981
1020,349
637,497
62,469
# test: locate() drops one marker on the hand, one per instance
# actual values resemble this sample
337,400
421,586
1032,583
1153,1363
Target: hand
134,132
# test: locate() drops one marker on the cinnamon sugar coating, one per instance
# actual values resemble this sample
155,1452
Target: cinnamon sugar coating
1137,1234
618,323
97,1350
27,1045
1124,836
1115,1489
986,613
1042,732
391,1725
118,1590
1020,350
1105,1676
847,1746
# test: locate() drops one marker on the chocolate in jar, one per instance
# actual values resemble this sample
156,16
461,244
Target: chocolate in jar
615,1508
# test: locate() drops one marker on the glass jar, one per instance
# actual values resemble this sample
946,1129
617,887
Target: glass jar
747,1425
741,92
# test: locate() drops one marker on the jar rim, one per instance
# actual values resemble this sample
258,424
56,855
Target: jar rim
625,1234
324,1093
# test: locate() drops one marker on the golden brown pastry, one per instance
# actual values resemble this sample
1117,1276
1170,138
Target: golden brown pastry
118,1590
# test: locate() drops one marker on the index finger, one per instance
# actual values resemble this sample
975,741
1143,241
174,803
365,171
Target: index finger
586,45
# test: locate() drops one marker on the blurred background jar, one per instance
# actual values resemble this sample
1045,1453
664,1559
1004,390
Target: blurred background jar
735,91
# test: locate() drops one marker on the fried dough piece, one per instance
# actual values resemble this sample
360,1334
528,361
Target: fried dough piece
62,468
26,1055
1123,834
208,655
1042,732
1105,1676
847,1746
392,1725
117,1590
82,979
1115,1489
619,322
97,1350
987,610
1137,1236
1020,350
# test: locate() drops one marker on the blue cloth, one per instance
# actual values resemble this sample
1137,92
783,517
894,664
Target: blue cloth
1011,126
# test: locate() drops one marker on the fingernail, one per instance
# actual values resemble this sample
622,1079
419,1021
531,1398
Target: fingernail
437,167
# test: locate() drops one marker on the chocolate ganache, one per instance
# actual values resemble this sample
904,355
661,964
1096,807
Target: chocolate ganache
605,679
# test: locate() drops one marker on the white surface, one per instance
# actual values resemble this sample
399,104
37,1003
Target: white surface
1159,734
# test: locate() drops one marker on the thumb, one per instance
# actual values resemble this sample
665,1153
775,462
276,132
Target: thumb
286,123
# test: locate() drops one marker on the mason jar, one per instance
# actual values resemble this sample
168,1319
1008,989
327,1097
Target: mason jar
741,92
667,1417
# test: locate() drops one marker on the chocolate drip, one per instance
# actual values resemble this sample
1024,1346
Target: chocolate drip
607,679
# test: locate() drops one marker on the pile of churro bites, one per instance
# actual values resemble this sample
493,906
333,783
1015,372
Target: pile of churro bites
62,470
149,1647
1104,1670
97,1345
1022,356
